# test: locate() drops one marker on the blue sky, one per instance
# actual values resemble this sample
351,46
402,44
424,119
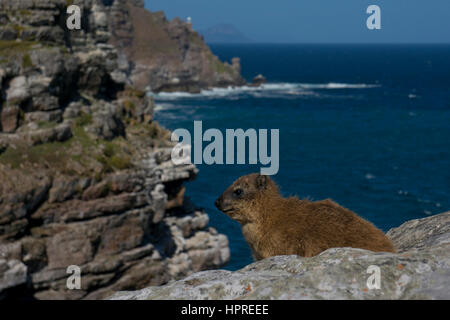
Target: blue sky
318,21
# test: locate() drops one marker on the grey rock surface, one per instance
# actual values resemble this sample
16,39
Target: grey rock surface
422,233
420,270
13,273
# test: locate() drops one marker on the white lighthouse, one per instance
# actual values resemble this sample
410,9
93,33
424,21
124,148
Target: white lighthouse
189,22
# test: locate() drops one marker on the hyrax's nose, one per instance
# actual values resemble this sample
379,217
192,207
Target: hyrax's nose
217,203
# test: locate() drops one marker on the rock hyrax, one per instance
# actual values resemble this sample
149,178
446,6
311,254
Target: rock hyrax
273,225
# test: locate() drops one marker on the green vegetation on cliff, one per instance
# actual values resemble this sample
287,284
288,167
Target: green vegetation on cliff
9,48
82,154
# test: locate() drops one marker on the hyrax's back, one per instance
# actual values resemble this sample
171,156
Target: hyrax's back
321,225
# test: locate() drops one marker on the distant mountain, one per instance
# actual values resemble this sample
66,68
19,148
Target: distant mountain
224,33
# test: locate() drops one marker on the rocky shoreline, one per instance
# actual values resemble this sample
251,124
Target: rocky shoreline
86,176
419,270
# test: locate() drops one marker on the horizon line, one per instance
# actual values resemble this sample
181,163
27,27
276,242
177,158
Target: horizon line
329,43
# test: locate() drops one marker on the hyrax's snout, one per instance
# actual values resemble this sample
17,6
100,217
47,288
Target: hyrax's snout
223,204
218,203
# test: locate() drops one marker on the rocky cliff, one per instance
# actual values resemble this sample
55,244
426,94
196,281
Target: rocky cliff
420,270
85,172
166,55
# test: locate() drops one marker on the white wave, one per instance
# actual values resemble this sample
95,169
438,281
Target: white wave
172,95
264,91
164,106
335,85
369,176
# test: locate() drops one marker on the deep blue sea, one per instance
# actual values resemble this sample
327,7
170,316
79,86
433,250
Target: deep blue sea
365,125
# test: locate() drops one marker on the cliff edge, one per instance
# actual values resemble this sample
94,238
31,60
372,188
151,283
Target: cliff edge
85,171
166,55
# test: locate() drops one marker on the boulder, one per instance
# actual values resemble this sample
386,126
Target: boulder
18,89
107,122
13,273
258,80
422,233
420,270
10,118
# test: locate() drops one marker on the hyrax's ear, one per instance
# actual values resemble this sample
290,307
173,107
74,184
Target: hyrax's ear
261,181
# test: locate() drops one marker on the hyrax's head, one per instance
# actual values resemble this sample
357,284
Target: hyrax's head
245,196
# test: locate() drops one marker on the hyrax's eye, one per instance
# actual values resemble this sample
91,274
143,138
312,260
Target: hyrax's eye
238,192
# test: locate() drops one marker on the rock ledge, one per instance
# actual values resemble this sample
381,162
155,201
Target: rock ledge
420,270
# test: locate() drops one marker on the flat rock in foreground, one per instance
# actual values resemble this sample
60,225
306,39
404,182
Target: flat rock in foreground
420,270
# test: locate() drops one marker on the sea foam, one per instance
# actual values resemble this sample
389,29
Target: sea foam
264,91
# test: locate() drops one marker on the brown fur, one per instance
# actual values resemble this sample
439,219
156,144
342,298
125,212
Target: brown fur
273,225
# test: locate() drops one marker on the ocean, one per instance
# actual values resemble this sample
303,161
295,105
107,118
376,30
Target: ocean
365,125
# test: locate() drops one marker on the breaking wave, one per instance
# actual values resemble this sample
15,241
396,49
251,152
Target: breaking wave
268,90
